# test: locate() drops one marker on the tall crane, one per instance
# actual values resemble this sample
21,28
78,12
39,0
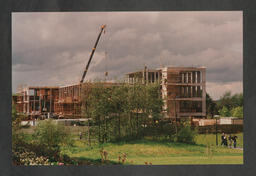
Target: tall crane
92,53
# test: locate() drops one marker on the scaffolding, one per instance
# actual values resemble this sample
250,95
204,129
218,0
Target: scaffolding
182,89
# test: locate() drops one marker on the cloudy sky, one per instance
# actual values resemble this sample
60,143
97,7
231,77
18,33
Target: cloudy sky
52,49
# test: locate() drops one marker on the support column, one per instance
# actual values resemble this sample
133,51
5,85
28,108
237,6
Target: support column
50,100
40,109
143,76
24,101
154,76
158,77
28,101
34,100
196,77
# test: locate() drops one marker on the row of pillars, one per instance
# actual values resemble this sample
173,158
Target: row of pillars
191,91
191,77
144,77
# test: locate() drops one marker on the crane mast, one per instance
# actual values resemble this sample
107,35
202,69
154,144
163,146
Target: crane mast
92,53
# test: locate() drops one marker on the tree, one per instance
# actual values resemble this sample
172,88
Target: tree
50,134
211,107
224,112
237,112
16,119
118,100
230,101
237,100
100,106
87,106
49,137
14,113
113,108
136,102
226,101
154,101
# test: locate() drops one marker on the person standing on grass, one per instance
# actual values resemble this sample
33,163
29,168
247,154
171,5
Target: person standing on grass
225,141
222,139
234,139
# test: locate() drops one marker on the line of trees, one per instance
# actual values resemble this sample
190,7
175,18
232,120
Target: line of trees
119,110
227,106
122,112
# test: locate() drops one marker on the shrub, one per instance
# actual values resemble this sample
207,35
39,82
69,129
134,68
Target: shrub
28,158
224,112
169,130
44,149
186,134
51,134
49,137
33,153
237,112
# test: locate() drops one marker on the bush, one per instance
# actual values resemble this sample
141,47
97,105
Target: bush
26,152
169,131
50,134
44,149
186,134
48,139
224,112
237,112
26,157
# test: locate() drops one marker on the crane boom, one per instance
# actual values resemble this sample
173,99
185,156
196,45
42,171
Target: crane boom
92,53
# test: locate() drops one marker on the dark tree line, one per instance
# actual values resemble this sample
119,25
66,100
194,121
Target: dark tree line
228,105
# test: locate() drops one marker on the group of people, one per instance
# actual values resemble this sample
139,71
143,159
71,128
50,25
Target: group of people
228,141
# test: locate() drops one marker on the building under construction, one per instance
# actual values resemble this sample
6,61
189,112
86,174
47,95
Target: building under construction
36,101
182,88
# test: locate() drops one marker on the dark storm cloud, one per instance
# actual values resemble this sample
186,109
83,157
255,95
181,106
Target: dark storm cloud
53,48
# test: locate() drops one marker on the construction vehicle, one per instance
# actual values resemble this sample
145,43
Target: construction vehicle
92,53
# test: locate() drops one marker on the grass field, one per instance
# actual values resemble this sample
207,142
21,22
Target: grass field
144,151
161,153
141,151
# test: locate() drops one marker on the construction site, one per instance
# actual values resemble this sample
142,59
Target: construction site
183,90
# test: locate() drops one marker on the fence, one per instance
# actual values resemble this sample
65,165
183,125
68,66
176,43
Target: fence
231,128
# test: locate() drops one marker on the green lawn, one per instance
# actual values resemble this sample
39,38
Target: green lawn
159,153
155,152
210,139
